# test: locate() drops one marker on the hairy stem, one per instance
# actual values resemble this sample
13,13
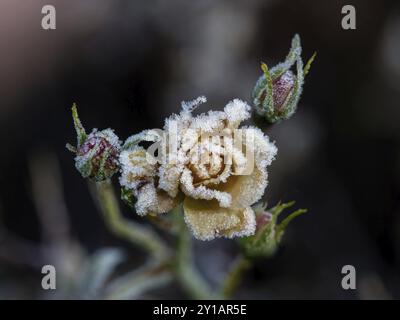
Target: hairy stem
234,276
139,235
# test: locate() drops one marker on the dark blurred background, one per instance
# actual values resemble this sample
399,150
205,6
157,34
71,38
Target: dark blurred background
129,64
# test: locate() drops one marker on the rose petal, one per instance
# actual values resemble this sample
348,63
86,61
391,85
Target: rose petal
153,201
202,192
208,221
237,111
248,189
245,190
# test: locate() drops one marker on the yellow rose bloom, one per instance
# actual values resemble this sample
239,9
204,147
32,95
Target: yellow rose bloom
215,168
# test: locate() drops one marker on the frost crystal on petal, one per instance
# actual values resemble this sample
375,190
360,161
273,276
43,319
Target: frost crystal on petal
216,168
237,111
189,106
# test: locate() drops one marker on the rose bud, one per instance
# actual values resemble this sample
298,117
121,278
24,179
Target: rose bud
268,235
277,92
97,153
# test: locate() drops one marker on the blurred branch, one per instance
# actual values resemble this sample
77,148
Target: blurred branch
132,285
18,251
163,223
58,247
139,235
97,270
234,276
49,199
52,213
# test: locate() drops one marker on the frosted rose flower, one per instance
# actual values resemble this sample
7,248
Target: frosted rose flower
215,168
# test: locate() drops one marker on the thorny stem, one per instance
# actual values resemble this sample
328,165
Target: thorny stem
186,272
137,234
234,276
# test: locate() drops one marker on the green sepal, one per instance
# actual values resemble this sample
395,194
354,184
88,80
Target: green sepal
80,130
85,168
291,58
70,147
268,103
128,197
309,62
280,229
293,99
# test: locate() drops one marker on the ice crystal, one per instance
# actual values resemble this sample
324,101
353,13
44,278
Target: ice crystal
216,168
